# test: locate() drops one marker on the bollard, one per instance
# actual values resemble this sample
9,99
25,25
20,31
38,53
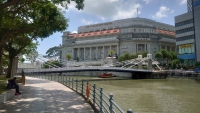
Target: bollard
23,77
88,91
129,111
94,94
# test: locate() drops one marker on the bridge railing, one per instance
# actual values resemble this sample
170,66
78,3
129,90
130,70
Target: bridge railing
79,68
97,97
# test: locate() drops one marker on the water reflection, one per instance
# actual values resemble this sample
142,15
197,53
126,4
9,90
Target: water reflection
155,96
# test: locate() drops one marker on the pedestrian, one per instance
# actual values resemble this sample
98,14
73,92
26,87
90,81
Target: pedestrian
14,85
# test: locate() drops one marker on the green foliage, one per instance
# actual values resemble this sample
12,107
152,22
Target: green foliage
111,52
127,56
121,58
68,56
175,62
172,55
144,54
133,56
164,53
158,55
197,64
53,51
51,64
21,60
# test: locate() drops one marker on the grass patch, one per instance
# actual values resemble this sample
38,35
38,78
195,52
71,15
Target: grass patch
3,83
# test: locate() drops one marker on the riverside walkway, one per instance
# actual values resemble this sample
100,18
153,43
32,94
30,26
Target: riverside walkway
43,96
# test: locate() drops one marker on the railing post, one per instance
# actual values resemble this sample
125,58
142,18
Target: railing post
129,111
101,100
72,83
82,86
62,78
94,94
69,82
111,104
58,78
66,80
76,84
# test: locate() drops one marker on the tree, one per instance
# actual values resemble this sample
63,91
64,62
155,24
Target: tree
173,55
197,64
29,16
53,52
21,60
164,54
111,52
144,54
51,64
68,56
127,56
121,58
158,55
175,62
18,46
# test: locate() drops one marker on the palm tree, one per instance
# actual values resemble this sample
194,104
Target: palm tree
111,52
68,56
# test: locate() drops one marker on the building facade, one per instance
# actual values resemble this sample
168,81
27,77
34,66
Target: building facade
133,35
187,28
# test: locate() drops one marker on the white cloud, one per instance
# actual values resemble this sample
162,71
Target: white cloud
87,22
172,11
146,1
163,12
74,32
114,9
183,2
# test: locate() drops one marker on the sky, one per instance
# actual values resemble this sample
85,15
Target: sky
99,11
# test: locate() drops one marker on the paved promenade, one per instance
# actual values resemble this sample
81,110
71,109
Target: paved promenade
43,96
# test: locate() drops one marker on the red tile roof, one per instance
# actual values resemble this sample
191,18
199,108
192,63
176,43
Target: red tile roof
97,33
160,31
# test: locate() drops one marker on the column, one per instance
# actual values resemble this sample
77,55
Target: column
149,48
73,53
117,50
136,48
145,47
96,52
103,52
110,47
160,47
78,53
84,53
90,53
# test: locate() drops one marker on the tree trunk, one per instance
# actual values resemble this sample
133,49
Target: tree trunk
1,51
8,75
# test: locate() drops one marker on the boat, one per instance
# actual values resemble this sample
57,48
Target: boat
106,75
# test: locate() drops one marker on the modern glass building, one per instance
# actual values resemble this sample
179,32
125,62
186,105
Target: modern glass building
187,27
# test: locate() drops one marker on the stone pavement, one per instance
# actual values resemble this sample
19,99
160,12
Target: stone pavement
43,96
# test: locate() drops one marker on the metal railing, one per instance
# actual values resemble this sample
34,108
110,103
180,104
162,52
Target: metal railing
102,102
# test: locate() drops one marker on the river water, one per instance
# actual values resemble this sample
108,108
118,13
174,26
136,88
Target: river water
154,95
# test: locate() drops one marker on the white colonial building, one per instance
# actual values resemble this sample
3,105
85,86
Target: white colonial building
93,42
